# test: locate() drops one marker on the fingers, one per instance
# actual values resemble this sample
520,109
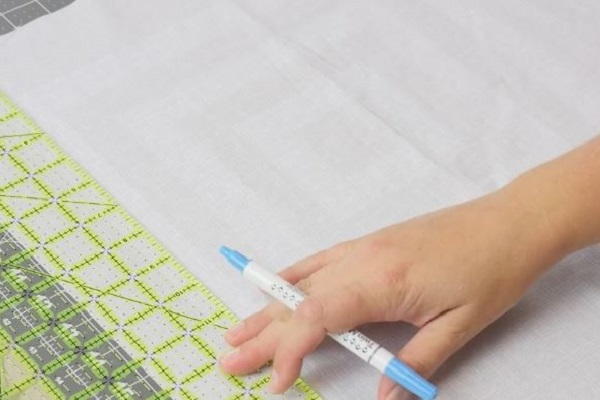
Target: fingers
254,324
272,334
287,343
313,263
431,346
253,354
303,334
307,328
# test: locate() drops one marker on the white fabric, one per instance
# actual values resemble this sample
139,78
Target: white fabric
281,127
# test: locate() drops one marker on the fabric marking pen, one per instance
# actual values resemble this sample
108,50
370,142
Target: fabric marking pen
353,340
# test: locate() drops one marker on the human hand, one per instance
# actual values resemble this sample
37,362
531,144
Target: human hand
450,273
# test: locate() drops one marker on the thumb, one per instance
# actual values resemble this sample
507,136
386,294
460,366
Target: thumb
431,346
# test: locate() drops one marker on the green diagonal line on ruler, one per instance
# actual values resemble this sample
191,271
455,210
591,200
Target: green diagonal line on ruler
62,201
20,135
103,292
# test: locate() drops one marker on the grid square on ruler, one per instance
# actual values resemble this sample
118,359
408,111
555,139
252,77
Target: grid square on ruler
45,346
100,273
111,228
83,212
214,381
153,330
12,127
86,194
136,253
10,172
212,336
175,291
184,357
119,302
10,143
193,305
59,178
164,281
19,207
74,248
36,155
27,188
47,222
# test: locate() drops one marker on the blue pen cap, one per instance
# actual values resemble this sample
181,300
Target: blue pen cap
235,258
410,380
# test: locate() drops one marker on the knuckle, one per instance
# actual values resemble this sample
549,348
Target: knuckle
271,310
305,284
349,309
278,312
321,256
394,276
377,243
338,250
284,316
310,310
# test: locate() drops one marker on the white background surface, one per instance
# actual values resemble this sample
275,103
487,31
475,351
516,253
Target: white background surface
282,127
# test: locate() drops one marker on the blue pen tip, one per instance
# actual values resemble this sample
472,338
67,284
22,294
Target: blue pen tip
410,380
235,258
225,251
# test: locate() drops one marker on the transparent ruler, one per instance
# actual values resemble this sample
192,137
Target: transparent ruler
91,305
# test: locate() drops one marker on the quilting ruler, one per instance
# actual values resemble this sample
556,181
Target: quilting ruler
91,305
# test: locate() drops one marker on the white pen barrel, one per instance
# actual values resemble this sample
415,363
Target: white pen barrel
274,285
291,296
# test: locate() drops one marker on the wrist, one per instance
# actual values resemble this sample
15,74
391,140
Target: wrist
550,213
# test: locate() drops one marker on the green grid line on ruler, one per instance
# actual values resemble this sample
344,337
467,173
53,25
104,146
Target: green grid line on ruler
91,305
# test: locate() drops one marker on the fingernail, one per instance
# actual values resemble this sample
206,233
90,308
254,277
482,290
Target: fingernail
235,330
398,393
229,357
273,383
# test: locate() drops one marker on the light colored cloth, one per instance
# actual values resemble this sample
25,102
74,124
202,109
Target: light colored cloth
281,127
